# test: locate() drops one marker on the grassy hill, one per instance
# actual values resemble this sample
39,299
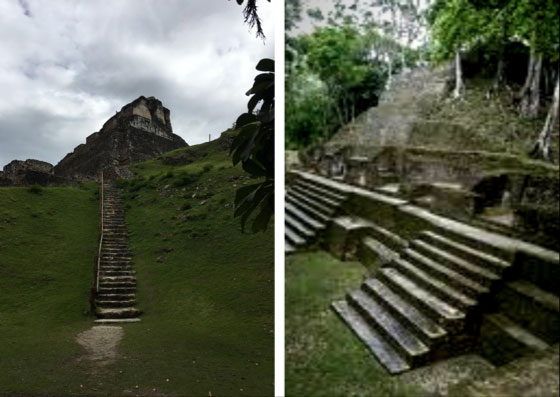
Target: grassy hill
206,288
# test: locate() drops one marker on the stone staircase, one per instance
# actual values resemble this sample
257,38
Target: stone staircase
309,206
115,301
440,288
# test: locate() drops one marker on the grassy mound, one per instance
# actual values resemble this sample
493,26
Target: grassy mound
323,357
206,288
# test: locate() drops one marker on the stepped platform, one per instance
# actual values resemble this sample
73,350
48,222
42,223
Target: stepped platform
437,288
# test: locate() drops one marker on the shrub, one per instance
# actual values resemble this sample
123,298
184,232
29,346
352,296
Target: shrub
36,189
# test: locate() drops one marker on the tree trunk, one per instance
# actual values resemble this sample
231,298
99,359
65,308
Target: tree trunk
390,72
542,146
459,84
530,93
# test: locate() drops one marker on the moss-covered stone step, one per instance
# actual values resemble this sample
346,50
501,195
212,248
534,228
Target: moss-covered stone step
405,342
313,203
437,287
117,313
303,217
464,284
324,200
295,239
374,341
333,195
299,227
446,315
309,211
468,269
410,316
531,307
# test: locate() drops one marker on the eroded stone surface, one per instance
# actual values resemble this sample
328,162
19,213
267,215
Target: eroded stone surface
101,343
140,131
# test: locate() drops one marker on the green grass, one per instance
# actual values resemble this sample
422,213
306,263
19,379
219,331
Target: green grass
205,288
47,244
323,357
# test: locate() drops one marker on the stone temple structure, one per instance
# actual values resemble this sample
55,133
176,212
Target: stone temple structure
28,172
139,132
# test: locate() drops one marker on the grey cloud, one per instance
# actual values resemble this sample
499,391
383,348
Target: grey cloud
72,64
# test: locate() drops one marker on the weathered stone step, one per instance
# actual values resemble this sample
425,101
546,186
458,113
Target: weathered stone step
310,202
532,308
336,196
309,211
387,237
435,286
374,341
293,237
303,217
464,284
406,343
116,273
444,314
325,183
423,326
487,261
289,248
117,290
116,265
115,303
106,278
299,227
117,320
117,284
483,276
115,297
323,200
117,312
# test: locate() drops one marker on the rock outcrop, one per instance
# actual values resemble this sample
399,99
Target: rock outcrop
139,132
28,172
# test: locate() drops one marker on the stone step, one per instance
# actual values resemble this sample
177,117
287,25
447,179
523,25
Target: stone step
423,326
390,189
310,202
477,257
327,202
289,248
437,287
115,303
299,227
406,343
321,191
117,273
388,238
294,238
531,307
444,314
303,218
503,340
117,320
326,183
309,211
117,290
374,341
477,273
126,312
119,265
115,297
464,284
117,284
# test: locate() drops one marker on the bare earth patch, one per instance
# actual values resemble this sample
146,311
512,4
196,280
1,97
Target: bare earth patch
101,343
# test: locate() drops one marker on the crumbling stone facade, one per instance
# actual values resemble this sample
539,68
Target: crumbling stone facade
28,172
140,131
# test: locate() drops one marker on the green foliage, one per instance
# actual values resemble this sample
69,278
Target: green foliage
254,148
330,79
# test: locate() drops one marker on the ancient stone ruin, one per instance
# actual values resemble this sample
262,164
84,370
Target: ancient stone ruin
28,172
139,132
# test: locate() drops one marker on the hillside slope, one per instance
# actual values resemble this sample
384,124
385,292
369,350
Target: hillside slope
205,288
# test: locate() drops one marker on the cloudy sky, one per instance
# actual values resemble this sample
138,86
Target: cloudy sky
67,66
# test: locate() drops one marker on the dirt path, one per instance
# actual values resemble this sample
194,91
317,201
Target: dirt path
101,343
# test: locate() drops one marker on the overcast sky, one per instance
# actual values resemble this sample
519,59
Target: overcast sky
67,66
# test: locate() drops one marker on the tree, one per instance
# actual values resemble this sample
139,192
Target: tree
254,148
251,16
542,146
456,25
